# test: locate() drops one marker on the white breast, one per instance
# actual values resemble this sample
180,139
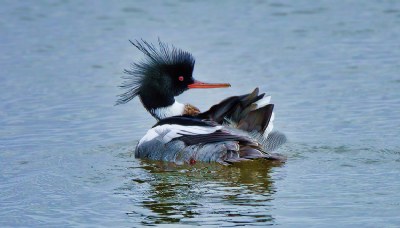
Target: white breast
176,109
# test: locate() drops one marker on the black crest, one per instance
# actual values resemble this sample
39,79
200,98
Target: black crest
157,63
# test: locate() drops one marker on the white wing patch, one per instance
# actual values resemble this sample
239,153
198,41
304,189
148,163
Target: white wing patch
170,131
270,125
263,102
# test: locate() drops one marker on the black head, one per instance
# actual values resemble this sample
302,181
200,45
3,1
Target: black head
165,73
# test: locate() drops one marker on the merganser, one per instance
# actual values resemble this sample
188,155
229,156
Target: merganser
237,129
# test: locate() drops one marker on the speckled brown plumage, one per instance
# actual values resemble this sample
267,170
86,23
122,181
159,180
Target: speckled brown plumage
190,110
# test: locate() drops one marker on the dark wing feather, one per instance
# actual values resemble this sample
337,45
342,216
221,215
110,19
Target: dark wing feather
257,120
186,121
219,111
218,136
233,108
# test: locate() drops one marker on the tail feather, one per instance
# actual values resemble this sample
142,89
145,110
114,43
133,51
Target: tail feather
274,141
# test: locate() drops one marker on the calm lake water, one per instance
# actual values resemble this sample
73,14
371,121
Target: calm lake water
332,68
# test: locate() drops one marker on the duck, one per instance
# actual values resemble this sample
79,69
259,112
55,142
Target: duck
237,129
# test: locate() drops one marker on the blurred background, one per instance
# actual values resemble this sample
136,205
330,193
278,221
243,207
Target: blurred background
332,68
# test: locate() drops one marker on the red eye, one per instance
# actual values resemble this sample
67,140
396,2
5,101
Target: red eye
180,78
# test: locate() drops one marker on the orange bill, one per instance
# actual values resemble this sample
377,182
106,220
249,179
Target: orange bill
204,85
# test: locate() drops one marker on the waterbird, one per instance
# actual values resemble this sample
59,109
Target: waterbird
235,130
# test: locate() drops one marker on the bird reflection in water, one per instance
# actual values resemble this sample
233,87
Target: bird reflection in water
208,194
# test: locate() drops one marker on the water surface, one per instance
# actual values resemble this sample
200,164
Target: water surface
332,68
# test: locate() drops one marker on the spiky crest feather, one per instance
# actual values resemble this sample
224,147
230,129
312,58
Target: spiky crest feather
156,61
